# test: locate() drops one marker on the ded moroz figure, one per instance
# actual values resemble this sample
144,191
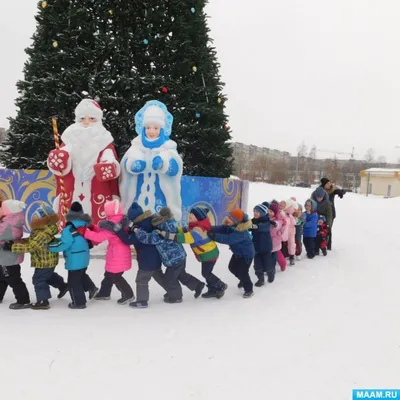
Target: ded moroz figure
151,169
87,162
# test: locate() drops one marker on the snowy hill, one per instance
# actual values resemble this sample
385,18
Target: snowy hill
324,327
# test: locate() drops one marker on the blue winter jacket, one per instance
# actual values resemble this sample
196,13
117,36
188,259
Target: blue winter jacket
148,257
74,246
238,238
311,225
262,239
172,253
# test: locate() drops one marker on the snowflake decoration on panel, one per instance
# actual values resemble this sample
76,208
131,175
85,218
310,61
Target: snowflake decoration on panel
215,191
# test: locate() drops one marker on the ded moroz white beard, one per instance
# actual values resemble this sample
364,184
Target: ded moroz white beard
84,145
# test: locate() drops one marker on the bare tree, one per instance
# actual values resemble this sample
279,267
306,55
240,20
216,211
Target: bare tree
381,161
302,149
370,156
313,153
259,167
279,171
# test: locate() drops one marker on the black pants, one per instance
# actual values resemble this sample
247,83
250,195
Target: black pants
79,282
285,250
240,267
263,264
330,236
309,244
11,276
142,282
172,285
213,282
110,279
188,280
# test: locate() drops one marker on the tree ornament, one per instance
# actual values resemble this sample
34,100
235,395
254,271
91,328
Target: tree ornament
55,43
44,4
194,68
145,41
111,12
164,89
219,100
198,115
193,10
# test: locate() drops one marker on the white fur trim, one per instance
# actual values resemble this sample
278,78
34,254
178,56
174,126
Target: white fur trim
154,115
166,158
109,158
88,108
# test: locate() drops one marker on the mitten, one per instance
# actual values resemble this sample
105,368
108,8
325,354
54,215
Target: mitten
211,235
7,246
105,171
58,160
254,227
137,166
157,163
82,230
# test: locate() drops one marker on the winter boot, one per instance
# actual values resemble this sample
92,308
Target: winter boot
221,292
247,295
240,285
283,269
199,289
168,300
63,292
18,306
139,304
211,293
93,293
260,282
317,252
271,277
125,300
73,306
105,298
324,252
41,305
291,261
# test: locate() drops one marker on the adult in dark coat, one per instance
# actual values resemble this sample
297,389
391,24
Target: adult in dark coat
332,191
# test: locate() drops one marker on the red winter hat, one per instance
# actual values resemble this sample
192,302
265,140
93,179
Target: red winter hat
237,215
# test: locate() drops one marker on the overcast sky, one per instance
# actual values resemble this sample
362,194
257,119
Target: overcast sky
326,72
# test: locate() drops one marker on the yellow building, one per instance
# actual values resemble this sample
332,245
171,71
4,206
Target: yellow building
380,182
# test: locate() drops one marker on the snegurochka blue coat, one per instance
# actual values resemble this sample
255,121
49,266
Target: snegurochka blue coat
74,246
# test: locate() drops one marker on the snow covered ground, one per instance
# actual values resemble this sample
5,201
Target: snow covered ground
324,327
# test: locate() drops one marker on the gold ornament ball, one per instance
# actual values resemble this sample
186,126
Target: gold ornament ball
44,4
111,12
55,44
194,68
219,100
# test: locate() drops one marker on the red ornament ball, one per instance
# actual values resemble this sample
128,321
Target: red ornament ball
164,90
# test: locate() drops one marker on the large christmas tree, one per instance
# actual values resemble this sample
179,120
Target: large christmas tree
125,53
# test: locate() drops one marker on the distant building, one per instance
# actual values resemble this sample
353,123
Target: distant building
380,182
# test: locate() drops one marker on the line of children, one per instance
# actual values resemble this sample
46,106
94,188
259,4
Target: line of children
157,239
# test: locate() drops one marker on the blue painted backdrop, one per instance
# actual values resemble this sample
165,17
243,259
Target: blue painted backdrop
219,195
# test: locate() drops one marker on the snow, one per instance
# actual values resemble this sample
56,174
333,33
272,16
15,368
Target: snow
324,327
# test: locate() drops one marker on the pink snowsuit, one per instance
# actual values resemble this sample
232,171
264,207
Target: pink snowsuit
118,256
291,231
285,226
276,234
11,230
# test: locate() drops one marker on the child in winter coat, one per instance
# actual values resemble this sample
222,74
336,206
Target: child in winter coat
299,231
324,206
291,207
118,255
285,229
173,256
262,241
204,249
43,231
322,236
148,258
11,229
310,227
235,233
276,235
77,256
